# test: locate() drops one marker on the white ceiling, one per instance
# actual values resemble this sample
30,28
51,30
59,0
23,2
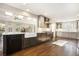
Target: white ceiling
51,10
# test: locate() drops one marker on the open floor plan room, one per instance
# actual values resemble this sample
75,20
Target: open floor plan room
49,49
39,29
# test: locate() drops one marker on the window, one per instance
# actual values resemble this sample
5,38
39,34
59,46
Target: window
59,25
67,26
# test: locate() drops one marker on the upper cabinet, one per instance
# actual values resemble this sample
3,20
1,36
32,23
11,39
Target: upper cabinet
43,22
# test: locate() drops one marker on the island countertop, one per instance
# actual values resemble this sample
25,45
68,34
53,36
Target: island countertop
26,34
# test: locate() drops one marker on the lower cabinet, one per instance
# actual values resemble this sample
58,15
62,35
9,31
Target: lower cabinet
12,43
33,41
42,37
28,42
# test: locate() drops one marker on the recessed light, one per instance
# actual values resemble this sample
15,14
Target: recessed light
29,18
25,14
27,9
9,13
24,3
20,16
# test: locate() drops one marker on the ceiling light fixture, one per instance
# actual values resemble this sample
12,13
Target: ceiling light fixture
9,13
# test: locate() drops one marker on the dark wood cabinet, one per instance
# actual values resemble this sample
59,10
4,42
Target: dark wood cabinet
28,42
12,43
15,42
34,41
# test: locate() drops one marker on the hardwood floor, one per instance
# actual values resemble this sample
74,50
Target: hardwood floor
48,49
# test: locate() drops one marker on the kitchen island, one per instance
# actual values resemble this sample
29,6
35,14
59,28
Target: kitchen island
13,42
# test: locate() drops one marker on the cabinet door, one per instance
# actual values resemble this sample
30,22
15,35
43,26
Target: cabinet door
33,41
13,43
18,42
10,44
